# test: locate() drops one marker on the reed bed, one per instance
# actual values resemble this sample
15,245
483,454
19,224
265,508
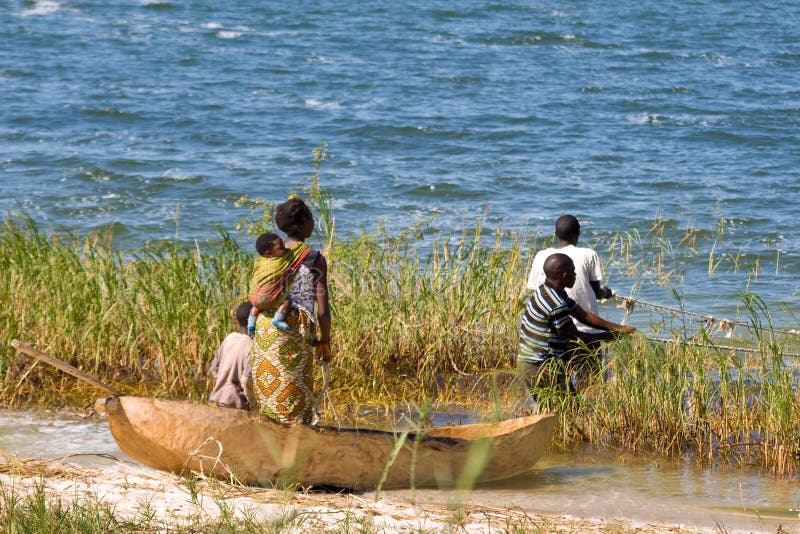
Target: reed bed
415,320
715,406
146,321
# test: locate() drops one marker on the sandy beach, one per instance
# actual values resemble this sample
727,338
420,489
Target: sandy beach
171,503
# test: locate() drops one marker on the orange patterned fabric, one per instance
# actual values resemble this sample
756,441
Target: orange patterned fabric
282,364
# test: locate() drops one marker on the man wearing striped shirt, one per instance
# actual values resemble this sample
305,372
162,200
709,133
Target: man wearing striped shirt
547,332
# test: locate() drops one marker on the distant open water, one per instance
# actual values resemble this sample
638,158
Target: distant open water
130,114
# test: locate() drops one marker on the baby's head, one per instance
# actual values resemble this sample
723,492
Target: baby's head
270,245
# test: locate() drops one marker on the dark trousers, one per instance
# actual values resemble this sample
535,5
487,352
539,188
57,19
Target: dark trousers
549,374
582,359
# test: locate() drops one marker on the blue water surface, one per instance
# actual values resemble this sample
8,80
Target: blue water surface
151,117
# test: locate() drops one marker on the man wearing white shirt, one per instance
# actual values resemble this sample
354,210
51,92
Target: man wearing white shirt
587,289
588,270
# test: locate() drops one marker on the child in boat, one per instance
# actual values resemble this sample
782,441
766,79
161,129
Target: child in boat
231,366
273,272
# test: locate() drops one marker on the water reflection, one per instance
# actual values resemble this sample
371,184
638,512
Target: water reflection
555,476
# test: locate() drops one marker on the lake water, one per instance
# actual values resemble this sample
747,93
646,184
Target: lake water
579,485
134,114
151,117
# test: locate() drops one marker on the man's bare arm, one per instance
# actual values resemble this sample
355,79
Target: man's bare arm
600,292
592,319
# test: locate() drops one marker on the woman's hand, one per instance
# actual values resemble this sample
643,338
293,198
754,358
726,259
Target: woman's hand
322,351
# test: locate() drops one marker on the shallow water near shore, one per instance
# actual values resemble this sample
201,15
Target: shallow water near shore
643,490
587,484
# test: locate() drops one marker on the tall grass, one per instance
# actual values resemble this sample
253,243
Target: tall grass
147,321
451,311
695,401
408,325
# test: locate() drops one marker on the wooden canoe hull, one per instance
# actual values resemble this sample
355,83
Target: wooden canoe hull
181,436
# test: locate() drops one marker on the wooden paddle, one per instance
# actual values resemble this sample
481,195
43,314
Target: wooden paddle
64,366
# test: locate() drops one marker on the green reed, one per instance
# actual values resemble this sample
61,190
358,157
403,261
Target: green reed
147,321
421,317
414,319
691,400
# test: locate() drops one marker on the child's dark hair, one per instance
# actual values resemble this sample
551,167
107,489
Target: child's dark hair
291,215
264,242
242,312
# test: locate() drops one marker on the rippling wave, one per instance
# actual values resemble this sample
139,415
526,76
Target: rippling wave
125,116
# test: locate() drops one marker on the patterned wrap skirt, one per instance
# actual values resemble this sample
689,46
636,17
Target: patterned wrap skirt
282,364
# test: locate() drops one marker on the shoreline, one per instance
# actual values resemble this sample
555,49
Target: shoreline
172,502
95,468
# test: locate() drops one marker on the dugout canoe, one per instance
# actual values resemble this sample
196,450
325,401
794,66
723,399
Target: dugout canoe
180,437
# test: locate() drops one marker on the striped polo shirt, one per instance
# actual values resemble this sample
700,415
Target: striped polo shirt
541,329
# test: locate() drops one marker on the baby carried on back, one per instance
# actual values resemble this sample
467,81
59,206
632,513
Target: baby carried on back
273,274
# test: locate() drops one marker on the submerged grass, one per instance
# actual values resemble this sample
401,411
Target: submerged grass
692,401
410,325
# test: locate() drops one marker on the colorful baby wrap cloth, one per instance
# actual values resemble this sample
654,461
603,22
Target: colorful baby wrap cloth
273,276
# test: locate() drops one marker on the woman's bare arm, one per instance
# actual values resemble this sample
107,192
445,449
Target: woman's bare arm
322,295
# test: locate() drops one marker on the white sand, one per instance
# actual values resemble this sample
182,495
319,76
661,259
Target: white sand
133,492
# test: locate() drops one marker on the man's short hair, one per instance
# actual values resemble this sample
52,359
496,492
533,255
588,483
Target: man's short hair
567,227
557,263
242,312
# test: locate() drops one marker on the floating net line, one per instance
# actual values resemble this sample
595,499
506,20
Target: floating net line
710,323
708,326
719,347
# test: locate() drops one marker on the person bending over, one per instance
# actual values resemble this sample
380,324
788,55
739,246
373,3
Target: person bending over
547,332
586,291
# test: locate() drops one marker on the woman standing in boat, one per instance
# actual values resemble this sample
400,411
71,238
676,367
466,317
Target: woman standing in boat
282,361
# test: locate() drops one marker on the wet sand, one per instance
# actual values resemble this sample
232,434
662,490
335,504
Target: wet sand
132,491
